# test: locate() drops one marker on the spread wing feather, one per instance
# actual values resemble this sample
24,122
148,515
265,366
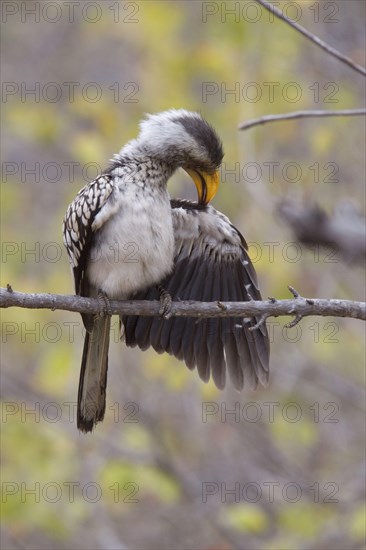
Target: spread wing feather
211,263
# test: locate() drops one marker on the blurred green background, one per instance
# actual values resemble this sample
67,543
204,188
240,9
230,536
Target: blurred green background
170,467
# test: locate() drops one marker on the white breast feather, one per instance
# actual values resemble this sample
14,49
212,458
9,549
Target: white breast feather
135,247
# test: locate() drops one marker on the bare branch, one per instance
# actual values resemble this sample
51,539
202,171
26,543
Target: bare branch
299,114
344,232
274,308
315,39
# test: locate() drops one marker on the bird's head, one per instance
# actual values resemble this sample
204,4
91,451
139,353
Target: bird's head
183,139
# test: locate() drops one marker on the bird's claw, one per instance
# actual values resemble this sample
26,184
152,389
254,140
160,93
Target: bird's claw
165,310
104,304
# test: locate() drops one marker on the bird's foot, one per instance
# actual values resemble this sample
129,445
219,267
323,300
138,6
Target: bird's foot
165,303
104,304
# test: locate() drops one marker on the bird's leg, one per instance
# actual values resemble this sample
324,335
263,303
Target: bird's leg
104,303
165,303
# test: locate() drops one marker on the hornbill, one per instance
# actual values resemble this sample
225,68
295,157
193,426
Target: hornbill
126,239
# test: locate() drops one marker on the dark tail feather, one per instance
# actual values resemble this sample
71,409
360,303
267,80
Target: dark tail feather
93,375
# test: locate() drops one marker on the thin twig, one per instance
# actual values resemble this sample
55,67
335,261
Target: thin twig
315,39
343,231
300,114
298,306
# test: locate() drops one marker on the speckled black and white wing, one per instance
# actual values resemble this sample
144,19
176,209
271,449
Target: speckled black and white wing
81,222
211,263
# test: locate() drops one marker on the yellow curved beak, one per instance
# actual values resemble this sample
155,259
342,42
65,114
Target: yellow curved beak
207,184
